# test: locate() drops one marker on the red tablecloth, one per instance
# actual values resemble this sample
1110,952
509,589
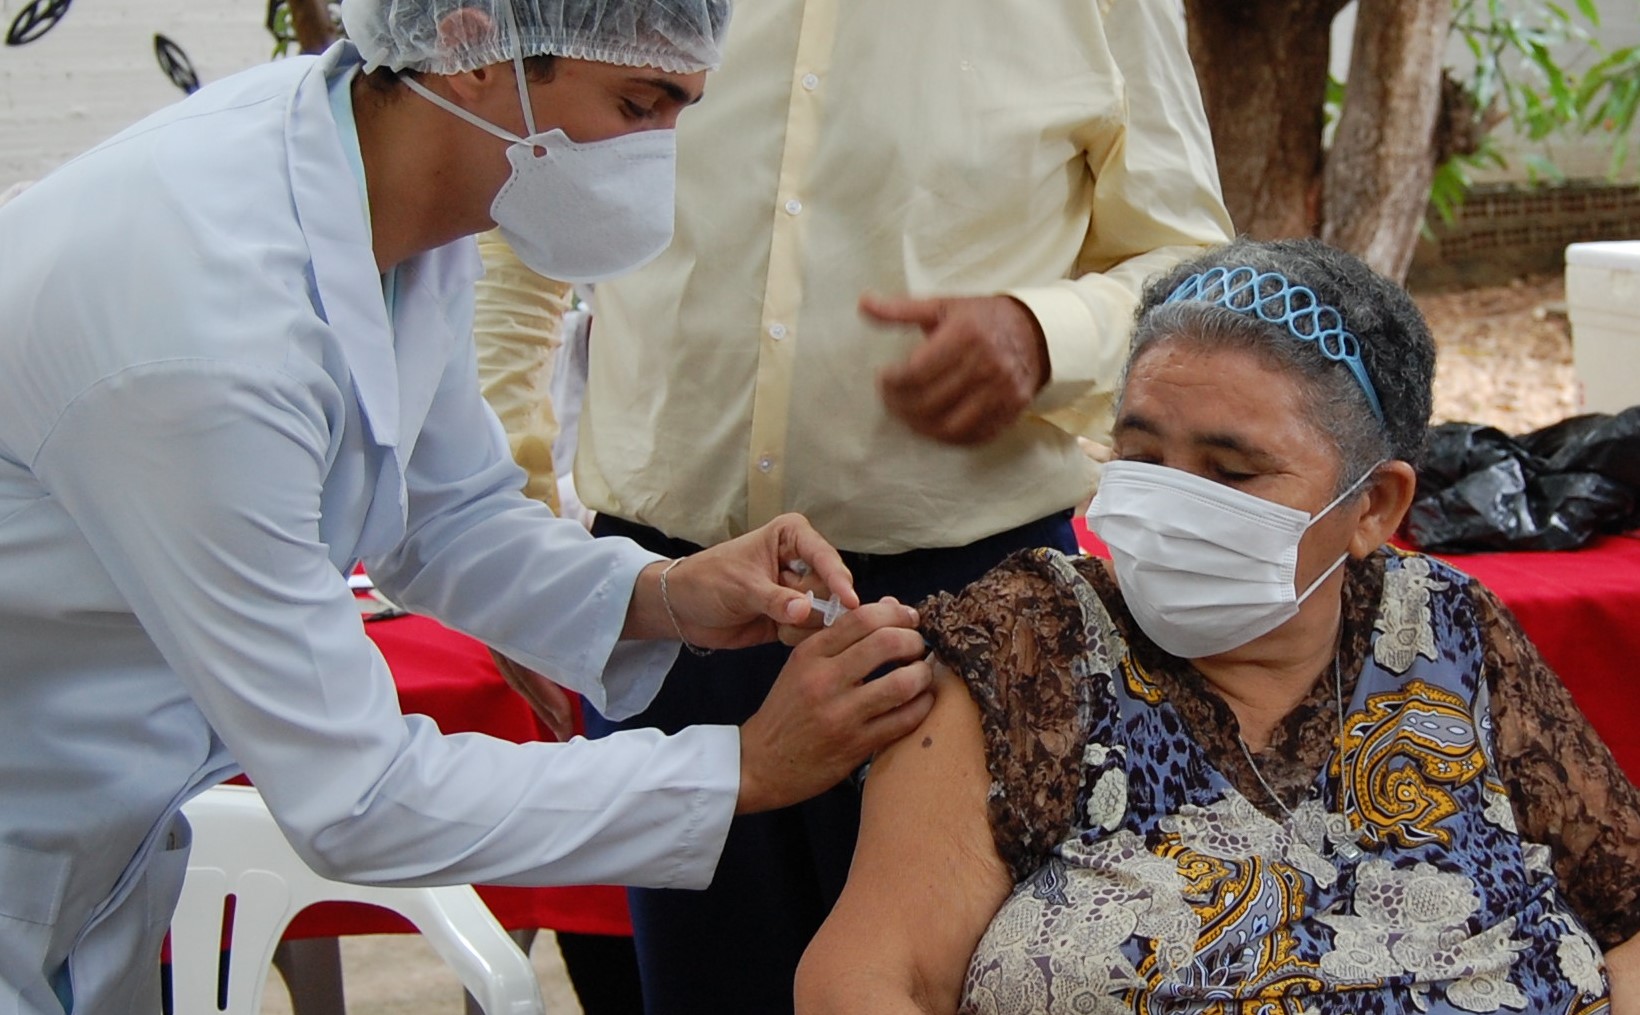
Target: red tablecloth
449,676
1582,610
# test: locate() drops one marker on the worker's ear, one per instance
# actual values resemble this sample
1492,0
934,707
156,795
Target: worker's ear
461,29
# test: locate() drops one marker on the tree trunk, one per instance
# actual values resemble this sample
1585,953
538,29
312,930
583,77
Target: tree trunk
1262,65
310,20
1378,174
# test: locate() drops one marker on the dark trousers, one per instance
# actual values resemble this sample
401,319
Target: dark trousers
735,946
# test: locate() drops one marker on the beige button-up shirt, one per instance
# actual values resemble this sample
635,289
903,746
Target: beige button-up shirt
1054,150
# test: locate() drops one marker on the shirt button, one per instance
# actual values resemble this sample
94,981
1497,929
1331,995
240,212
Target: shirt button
794,206
811,82
765,464
777,331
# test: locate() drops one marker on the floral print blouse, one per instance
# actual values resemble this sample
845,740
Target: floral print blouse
1466,844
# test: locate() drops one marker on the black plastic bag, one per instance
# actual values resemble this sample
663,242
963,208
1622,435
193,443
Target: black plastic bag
1552,489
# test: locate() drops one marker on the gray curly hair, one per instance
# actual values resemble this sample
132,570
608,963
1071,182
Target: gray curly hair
1395,345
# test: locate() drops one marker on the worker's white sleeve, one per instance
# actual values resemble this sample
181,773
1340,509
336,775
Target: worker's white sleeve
487,560
199,486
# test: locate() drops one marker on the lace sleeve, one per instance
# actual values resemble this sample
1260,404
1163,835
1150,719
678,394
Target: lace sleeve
1567,789
1012,636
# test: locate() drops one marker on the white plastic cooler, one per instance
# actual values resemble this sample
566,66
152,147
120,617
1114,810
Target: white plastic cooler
1603,301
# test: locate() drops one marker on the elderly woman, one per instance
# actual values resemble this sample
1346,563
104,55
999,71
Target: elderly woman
1259,762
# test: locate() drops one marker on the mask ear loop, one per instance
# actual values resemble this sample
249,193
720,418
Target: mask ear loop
455,110
1323,576
523,93
1348,492
518,67
1341,498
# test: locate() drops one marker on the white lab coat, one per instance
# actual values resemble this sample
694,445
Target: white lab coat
205,420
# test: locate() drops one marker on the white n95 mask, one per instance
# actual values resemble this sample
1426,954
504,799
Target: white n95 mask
581,212
1203,568
589,212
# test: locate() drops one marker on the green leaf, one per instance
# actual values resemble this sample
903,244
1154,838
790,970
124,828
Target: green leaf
1540,168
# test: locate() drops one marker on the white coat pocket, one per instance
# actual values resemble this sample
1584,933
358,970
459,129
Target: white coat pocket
32,884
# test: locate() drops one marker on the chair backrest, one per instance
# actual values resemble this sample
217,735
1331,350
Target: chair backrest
239,854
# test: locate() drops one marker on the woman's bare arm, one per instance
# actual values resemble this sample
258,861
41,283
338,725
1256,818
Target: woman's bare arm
1623,971
926,879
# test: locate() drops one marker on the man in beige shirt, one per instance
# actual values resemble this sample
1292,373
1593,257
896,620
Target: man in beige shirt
910,239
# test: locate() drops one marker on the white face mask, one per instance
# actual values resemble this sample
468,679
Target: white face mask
580,212
1204,568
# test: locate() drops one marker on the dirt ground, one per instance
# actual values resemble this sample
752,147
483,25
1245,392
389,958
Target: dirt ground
399,974
1504,354
1505,358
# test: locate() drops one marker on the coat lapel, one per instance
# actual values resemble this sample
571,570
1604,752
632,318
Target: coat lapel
396,365
332,217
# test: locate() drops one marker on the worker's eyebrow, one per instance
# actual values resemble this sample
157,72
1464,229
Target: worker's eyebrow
674,91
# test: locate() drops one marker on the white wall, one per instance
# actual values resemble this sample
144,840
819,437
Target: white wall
95,73
1579,157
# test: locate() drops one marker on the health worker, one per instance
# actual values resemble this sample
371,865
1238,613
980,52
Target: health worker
235,362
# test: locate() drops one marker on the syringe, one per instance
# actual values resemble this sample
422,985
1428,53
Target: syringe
829,609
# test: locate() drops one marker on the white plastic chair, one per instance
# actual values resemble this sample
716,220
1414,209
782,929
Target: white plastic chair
238,851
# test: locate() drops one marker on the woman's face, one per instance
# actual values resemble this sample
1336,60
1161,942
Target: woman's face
1224,415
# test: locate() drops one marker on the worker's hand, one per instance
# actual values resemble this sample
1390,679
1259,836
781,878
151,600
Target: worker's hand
732,595
797,575
550,702
821,719
982,360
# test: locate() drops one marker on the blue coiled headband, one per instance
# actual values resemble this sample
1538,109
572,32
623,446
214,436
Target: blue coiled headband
1295,307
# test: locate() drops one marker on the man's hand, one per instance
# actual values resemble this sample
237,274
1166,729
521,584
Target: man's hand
549,701
982,360
733,594
821,720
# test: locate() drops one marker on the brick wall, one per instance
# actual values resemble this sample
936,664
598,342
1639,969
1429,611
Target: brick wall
1506,230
